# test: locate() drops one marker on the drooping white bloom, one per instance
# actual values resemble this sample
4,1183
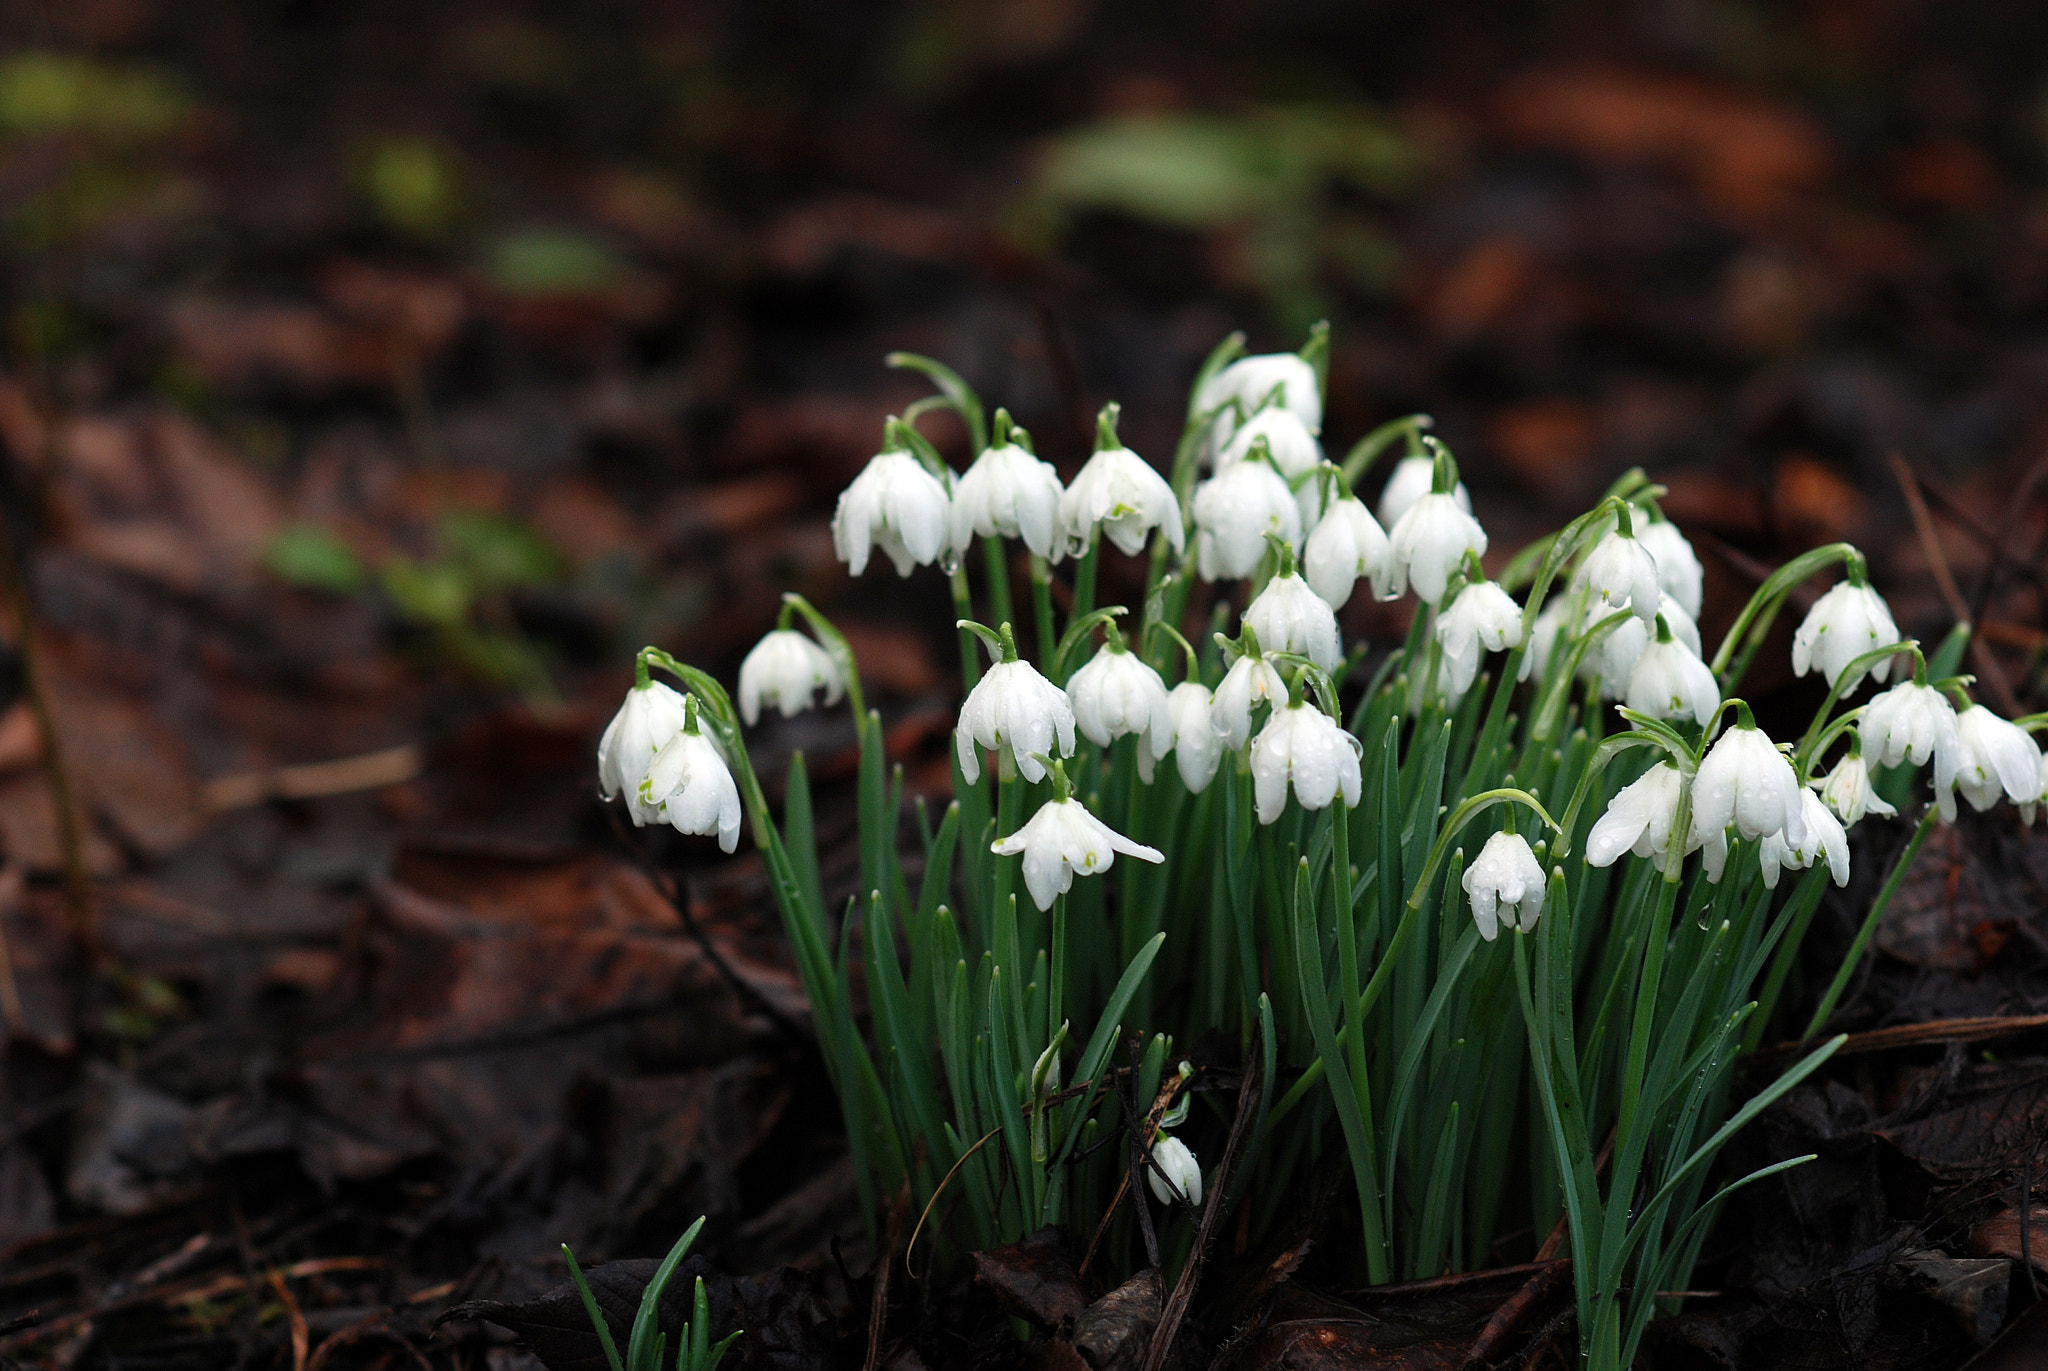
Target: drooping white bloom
897,505
1181,1168
1669,681
1302,745
1506,885
1118,490
1824,837
1678,566
1288,440
1063,840
1621,574
1251,381
1288,616
1638,818
1848,791
1116,693
1197,746
1346,543
651,715
1413,478
1746,781
1313,492
1843,624
786,669
1428,543
1013,706
1551,623
1249,681
1482,619
1009,493
1234,511
1910,723
692,787
1615,657
1996,757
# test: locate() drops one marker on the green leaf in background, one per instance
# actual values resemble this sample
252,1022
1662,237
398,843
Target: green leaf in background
433,593
48,92
497,553
540,260
413,184
309,555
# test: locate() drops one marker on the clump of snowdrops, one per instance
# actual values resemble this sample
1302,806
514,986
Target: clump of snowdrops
1439,904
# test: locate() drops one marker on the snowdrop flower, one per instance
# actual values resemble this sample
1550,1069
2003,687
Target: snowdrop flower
1550,624
897,505
1848,791
1482,619
1669,681
1197,746
1303,745
1678,566
1251,381
651,715
1117,693
1413,478
1995,756
1621,574
1313,492
1234,511
1288,441
1745,781
1428,543
785,669
1909,723
1119,491
1251,680
1639,818
1824,837
1181,1170
1009,493
1347,543
1505,879
1063,840
689,783
1014,707
1615,658
1848,621
1288,616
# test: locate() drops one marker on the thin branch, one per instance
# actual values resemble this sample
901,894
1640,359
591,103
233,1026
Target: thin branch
1987,665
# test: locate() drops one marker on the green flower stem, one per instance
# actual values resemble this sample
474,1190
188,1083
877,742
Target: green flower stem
1368,449
996,564
835,643
1041,609
1767,598
1854,956
1084,578
963,608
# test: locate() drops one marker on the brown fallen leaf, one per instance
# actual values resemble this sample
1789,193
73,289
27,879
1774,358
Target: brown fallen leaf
1034,1279
2001,1236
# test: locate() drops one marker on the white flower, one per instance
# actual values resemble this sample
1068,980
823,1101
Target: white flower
896,504
1843,624
1288,616
1117,693
1543,635
1251,381
651,715
1848,792
1429,542
1303,745
1120,491
1669,681
1413,478
1312,492
1234,511
1505,879
1061,840
1290,442
1824,836
1638,818
691,786
1678,566
1013,706
785,669
1910,723
1995,756
1622,575
1746,781
1011,494
1197,746
1250,680
1614,657
1347,543
1482,619
1182,1171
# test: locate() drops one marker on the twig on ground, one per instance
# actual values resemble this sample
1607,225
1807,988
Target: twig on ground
312,780
1987,665
878,1306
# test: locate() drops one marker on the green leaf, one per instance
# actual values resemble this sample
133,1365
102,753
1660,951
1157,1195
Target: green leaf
309,555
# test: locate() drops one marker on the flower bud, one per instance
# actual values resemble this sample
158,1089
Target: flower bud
1848,791
1994,757
1678,567
1197,746
897,505
1413,478
1285,378
1429,542
1009,493
1182,1172
1234,511
1346,543
1505,883
786,669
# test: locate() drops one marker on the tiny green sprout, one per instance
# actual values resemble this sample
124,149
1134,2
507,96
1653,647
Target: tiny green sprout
648,1345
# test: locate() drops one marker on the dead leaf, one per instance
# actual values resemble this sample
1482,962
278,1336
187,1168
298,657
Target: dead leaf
1116,1330
1034,1279
21,742
1481,289
236,344
1546,443
2000,1236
